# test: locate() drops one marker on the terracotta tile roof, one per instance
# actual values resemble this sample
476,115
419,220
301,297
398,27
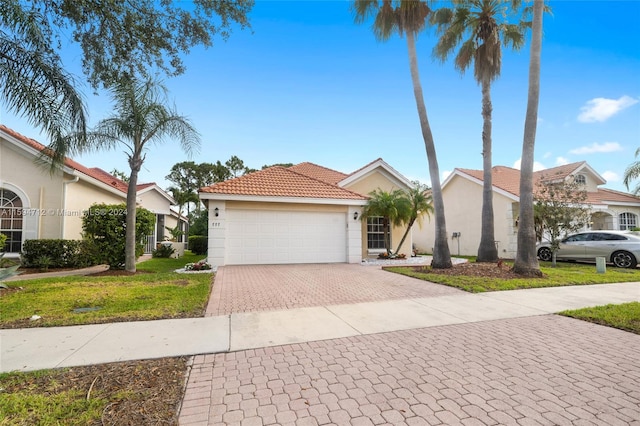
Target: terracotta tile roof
508,179
95,172
505,178
606,196
279,181
144,185
319,172
557,173
365,166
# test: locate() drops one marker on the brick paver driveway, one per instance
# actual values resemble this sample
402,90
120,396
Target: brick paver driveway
541,370
253,288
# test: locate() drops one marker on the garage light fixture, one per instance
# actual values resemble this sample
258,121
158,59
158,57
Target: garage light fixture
216,212
355,216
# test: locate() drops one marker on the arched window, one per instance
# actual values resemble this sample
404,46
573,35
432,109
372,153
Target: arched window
627,221
581,179
11,210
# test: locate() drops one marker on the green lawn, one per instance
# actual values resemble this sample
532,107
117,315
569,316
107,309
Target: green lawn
563,274
625,316
156,293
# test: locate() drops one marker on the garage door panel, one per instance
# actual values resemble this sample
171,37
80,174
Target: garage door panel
265,237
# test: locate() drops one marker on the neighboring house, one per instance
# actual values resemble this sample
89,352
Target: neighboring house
462,194
38,204
301,214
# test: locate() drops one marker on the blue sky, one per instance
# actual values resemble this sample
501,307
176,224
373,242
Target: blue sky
307,84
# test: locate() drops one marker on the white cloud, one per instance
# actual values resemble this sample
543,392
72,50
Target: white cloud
597,147
536,165
601,109
561,161
611,176
546,155
445,174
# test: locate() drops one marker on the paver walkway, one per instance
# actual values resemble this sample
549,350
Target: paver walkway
531,369
545,370
275,287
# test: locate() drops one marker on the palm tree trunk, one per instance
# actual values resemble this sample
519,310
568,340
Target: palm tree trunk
441,254
487,251
135,162
526,262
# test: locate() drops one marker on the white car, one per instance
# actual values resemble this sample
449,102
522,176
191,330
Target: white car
622,248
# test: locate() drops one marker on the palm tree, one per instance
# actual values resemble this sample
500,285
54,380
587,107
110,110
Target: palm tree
633,172
526,262
409,17
34,84
141,119
477,22
392,206
420,204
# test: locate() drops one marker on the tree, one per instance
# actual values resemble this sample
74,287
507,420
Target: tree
631,173
126,39
562,210
484,26
266,166
408,18
141,118
526,262
106,225
33,81
420,204
120,175
236,166
394,209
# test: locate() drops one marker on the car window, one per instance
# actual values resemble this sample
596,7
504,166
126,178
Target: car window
577,237
614,237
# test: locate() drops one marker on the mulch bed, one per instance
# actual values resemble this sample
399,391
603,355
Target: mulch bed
152,389
473,269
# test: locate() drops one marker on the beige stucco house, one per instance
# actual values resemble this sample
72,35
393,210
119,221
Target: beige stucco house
462,195
301,214
38,204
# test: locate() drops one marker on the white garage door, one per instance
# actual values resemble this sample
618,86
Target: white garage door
269,237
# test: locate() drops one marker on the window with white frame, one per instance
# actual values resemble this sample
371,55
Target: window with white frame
375,233
627,221
11,214
581,179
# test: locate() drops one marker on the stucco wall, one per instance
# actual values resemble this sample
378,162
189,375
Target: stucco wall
155,202
42,191
80,196
463,214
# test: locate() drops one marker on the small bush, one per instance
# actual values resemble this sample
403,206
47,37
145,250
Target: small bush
105,226
163,250
3,240
198,244
58,254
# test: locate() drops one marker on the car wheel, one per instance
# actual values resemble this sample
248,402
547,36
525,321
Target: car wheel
624,259
545,254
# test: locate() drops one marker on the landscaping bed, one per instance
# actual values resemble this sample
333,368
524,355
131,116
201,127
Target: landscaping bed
147,392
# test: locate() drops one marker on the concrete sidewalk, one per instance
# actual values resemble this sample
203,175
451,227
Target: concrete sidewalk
38,348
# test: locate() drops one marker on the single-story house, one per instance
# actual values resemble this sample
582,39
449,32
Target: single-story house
38,204
462,195
305,213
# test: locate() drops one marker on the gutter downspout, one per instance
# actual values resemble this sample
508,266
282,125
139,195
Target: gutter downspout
64,202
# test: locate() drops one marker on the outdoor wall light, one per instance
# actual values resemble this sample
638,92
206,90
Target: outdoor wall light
216,212
355,216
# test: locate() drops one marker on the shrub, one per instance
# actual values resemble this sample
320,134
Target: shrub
163,250
3,240
58,254
198,266
105,226
198,244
